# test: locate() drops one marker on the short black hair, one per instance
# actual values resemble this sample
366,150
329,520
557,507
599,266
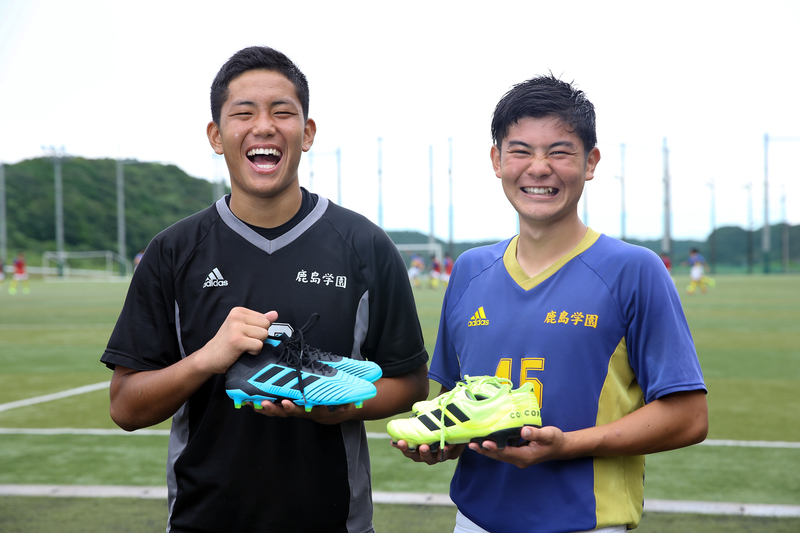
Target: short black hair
256,58
545,96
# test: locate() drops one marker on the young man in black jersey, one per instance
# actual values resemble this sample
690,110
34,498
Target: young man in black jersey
274,254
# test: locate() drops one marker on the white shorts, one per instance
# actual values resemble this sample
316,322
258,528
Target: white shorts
465,525
697,272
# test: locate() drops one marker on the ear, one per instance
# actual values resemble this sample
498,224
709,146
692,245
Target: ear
214,137
591,163
495,155
309,132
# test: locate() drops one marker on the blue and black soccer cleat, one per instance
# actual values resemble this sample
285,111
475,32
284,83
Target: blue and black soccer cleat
288,369
363,369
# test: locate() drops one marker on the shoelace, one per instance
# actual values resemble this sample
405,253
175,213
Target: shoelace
297,355
444,400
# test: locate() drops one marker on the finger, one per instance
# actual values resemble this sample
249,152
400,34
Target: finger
269,408
400,444
291,408
483,446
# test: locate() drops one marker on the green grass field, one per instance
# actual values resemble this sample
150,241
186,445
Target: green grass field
51,340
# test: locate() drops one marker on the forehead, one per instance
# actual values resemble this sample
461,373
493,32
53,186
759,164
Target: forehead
261,85
541,130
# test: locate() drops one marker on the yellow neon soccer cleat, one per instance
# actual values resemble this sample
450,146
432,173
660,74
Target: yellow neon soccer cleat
477,409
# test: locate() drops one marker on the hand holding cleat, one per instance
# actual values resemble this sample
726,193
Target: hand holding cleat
288,369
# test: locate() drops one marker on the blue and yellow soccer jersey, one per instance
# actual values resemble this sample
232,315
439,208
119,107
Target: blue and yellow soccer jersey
599,333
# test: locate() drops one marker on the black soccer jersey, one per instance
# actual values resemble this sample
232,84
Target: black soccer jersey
236,470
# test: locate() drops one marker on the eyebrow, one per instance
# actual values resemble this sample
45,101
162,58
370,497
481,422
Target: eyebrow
272,104
556,144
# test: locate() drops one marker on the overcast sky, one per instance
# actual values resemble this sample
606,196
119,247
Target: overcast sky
131,79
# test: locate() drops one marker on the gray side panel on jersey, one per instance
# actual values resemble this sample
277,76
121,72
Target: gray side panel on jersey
178,436
270,246
355,441
359,476
360,327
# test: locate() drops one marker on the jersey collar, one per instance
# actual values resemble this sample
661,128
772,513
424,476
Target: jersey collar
526,282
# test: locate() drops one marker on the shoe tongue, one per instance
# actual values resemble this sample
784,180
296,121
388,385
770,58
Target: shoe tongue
488,391
273,341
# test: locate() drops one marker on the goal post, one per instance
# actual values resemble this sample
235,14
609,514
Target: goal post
426,250
420,268
102,265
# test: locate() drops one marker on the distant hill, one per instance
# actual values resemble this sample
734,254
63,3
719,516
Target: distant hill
157,196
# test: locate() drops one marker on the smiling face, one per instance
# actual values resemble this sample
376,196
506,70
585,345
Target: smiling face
262,134
543,167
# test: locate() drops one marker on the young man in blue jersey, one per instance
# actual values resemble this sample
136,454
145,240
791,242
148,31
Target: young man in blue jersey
211,288
596,325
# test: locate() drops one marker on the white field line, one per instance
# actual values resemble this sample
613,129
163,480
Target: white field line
51,327
751,443
406,498
370,435
55,396
105,384
83,431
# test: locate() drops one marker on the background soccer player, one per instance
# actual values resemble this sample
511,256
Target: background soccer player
20,275
596,324
209,288
697,272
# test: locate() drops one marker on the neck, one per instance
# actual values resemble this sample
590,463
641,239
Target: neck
539,248
269,212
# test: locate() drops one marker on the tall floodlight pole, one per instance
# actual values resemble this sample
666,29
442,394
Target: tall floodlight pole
765,235
749,188
622,191
121,245
3,231
59,190
765,241
218,189
311,171
338,154
380,183
585,197
785,231
57,156
339,175
666,240
713,238
450,199
431,238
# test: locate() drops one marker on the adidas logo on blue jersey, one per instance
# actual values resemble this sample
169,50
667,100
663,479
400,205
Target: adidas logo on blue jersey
479,318
215,279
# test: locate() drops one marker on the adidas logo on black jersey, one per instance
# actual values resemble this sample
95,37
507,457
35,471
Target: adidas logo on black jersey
215,279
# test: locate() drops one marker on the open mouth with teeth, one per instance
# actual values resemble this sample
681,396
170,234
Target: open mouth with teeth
546,191
264,158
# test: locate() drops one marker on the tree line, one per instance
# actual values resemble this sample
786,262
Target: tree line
158,195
